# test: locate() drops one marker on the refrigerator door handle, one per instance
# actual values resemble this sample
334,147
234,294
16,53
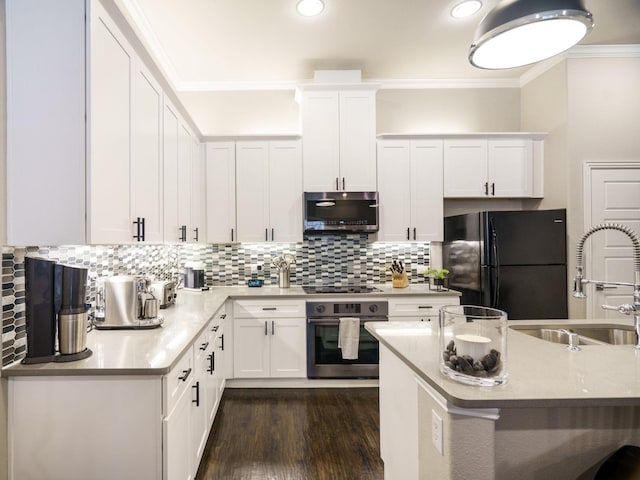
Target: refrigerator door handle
495,263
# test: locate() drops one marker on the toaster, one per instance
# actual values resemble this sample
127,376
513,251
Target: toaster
164,291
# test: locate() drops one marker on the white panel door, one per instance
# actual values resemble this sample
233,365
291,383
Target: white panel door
170,174
510,168
358,141
612,196
321,144
146,155
288,347
252,191
394,188
285,191
250,348
185,150
427,206
221,192
465,168
110,132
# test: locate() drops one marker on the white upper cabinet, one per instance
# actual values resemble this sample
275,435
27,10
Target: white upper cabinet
198,217
146,157
269,191
339,149
96,114
410,188
221,192
492,167
172,231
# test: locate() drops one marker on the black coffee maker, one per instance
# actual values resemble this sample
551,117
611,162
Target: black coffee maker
55,303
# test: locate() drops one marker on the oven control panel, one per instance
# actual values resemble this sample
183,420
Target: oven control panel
347,309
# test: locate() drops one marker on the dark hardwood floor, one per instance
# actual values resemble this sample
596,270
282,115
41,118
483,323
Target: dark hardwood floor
295,434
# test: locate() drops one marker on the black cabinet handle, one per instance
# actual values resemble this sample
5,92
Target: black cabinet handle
212,364
493,189
269,309
266,234
222,342
143,233
215,328
139,236
414,233
408,234
266,332
197,400
204,346
337,186
183,233
343,187
272,234
273,327
421,307
486,188
185,375
195,230
223,316
232,234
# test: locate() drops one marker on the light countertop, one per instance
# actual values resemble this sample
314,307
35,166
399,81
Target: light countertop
156,351
541,373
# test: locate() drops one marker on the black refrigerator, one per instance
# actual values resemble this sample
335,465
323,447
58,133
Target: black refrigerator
515,261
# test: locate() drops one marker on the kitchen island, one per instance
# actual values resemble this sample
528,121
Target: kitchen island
560,413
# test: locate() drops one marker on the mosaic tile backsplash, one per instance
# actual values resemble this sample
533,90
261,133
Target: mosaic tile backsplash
332,260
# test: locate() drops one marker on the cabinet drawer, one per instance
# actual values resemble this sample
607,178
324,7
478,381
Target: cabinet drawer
178,380
202,343
419,306
268,308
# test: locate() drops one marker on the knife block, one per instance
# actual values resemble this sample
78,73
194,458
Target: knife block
399,280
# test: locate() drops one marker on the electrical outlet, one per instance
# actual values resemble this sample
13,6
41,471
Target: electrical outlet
256,268
420,269
436,432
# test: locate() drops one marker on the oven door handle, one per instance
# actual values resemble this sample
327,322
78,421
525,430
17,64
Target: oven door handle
336,320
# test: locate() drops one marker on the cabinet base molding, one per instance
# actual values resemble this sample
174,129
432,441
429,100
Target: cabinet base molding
300,383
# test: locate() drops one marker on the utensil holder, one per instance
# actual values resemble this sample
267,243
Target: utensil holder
399,280
283,278
473,344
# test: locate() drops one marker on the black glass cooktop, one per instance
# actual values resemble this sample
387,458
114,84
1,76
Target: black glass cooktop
357,289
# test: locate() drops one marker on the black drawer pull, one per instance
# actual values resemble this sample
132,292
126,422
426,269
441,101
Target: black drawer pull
197,400
422,307
185,375
267,309
204,346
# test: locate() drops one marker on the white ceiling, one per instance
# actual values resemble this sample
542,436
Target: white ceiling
208,45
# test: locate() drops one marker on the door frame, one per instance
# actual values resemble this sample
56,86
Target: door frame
588,168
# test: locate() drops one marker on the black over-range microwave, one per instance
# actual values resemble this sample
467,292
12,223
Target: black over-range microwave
341,212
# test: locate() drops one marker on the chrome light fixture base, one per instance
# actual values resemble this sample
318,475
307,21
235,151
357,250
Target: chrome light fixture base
521,32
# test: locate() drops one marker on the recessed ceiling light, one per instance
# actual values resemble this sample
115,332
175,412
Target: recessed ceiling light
466,9
309,8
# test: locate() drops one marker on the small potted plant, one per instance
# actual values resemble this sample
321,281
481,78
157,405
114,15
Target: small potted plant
438,278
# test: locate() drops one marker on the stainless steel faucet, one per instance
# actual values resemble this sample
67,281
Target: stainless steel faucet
579,281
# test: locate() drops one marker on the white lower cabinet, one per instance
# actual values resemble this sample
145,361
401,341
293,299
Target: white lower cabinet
425,308
269,339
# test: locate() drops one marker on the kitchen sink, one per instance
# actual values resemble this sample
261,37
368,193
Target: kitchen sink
588,334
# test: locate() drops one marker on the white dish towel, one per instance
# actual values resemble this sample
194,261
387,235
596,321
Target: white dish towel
349,337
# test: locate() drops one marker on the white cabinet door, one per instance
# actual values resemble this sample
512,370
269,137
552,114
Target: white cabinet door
198,415
198,228
146,157
427,207
321,145
510,168
252,191
285,191
185,149
110,132
221,192
250,348
465,168
357,141
170,173
176,440
288,347
410,187
394,188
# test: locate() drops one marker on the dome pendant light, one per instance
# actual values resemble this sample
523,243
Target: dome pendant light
521,32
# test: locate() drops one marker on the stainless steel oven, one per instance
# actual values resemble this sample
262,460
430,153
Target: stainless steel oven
324,358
